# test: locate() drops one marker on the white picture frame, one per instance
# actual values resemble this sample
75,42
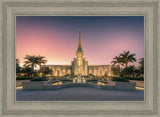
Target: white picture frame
11,8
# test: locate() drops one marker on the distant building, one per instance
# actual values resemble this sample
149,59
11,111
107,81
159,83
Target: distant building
79,65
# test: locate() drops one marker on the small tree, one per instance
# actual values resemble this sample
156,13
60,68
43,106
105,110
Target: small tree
141,67
41,60
18,68
28,71
115,70
128,71
137,72
46,70
33,61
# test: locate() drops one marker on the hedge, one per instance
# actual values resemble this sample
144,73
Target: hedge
119,79
23,78
39,79
135,78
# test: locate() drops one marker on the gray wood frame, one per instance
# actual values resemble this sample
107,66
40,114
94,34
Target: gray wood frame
9,9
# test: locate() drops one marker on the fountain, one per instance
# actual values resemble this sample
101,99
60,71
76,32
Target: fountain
79,79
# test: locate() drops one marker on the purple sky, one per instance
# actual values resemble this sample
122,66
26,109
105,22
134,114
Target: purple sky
56,37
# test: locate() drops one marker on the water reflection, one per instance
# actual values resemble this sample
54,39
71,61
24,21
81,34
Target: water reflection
101,83
60,82
57,83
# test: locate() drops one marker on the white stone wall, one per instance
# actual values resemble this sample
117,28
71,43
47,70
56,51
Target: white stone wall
59,70
100,70
97,70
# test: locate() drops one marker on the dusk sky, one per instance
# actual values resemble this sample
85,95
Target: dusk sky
56,37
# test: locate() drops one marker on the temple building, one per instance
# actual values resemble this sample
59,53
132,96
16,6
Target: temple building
79,65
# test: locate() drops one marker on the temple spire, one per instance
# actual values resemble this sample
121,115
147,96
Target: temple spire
79,44
79,49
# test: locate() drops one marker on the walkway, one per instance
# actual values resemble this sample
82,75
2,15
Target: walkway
79,94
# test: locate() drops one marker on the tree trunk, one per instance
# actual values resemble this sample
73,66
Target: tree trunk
32,70
126,64
39,69
39,66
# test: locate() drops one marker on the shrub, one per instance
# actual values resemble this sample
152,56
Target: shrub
103,81
85,76
35,74
109,77
65,79
135,78
91,75
23,78
92,80
39,79
119,79
115,70
67,75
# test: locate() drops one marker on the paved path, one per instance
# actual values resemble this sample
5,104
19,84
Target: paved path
138,83
79,94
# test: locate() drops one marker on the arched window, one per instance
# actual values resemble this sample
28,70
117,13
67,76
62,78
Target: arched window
90,71
95,72
68,71
58,73
63,72
53,72
100,73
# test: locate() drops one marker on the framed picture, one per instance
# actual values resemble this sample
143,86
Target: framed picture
79,58
119,78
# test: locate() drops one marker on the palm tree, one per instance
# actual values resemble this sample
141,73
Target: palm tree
41,60
17,62
116,60
141,61
126,57
31,61
141,67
